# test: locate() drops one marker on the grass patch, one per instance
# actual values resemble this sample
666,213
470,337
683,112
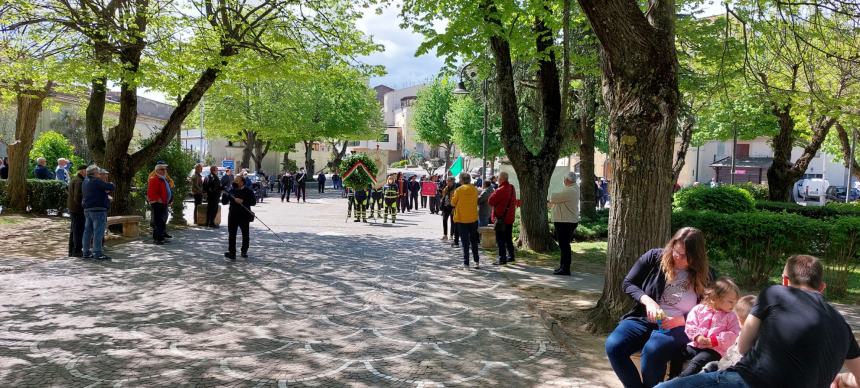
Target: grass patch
11,220
586,256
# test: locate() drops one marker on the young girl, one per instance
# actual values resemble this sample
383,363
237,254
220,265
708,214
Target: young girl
712,326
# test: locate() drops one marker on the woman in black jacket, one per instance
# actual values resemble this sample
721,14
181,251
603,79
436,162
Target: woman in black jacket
666,283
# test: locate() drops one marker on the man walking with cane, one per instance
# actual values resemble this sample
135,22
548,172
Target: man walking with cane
240,198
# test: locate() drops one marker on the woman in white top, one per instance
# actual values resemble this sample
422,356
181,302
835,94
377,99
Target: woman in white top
565,217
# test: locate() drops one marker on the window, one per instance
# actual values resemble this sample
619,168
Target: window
354,143
383,138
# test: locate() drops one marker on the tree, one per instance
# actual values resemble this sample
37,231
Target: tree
529,88
34,59
801,61
430,117
136,43
640,90
466,119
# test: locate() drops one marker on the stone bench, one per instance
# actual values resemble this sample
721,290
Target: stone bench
130,224
488,237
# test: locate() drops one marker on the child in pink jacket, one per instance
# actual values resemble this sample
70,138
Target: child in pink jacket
712,326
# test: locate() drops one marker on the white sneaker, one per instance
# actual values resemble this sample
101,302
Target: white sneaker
444,238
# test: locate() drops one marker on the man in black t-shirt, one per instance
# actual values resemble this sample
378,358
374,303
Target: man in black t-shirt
792,337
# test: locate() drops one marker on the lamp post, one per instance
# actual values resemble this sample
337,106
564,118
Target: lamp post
461,90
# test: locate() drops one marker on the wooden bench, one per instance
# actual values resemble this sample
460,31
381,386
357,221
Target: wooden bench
130,224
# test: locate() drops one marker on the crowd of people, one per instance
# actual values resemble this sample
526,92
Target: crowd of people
787,336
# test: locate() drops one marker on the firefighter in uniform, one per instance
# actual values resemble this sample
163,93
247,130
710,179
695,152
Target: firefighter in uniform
376,202
391,198
361,199
350,201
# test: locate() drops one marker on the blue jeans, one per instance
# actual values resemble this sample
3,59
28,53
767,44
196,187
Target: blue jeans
94,230
723,378
657,349
483,221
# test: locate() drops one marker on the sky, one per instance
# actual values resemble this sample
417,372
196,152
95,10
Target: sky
402,66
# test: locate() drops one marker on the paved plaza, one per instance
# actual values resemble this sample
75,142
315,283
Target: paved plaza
340,304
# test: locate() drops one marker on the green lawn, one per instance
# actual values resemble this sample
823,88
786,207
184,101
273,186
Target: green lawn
587,256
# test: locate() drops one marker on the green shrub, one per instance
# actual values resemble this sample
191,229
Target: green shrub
723,199
42,195
841,254
592,228
755,243
831,210
758,191
52,146
400,164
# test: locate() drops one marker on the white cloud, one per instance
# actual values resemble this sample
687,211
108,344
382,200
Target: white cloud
402,66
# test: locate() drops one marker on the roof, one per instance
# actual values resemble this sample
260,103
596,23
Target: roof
145,106
744,162
381,90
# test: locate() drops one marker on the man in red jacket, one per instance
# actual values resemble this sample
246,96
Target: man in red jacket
504,203
158,195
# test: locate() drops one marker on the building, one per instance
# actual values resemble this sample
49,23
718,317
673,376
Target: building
714,159
64,113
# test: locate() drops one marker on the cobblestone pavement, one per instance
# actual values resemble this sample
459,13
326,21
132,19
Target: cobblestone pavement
340,304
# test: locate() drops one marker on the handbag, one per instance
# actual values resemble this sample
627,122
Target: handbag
500,226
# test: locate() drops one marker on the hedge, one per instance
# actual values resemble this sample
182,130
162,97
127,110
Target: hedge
42,195
723,199
830,210
756,244
758,191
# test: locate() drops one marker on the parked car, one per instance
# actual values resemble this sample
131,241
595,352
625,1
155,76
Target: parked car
837,194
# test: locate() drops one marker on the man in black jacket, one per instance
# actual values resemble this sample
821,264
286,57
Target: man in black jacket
300,185
286,185
414,189
212,188
321,183
76,213
240,198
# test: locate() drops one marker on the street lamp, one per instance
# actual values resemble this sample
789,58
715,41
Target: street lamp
461,90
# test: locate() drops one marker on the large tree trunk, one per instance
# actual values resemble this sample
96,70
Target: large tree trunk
783,173
338,154
640,90
780,178
95,119
260,151
587,117
286,161
848,158
29,107
309,156
533,171
687,124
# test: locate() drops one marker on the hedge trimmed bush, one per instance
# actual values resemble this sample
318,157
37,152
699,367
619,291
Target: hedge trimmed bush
723,199
592,228
831,210
757,244
42,195
758,191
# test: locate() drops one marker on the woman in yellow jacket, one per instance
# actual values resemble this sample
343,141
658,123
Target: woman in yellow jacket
465,202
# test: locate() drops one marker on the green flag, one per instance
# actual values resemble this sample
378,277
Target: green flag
457,166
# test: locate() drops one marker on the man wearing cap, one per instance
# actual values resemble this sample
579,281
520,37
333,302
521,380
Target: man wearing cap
95,203
76,212
158,195
565,216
